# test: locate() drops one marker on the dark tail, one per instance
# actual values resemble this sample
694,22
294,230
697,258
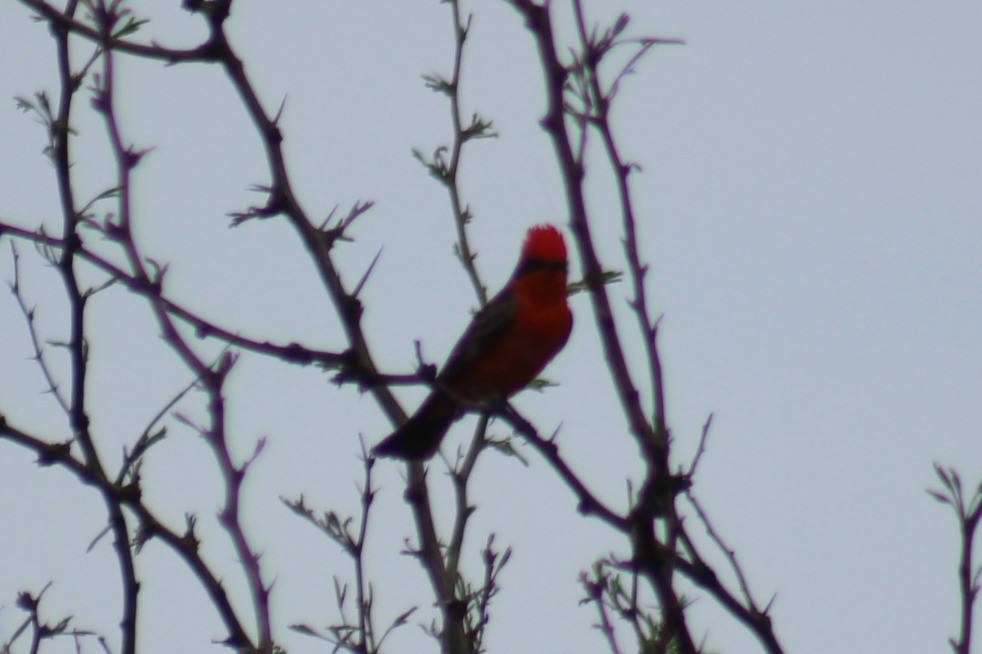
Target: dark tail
420,437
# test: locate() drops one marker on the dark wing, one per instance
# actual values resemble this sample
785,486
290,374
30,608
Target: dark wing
485,330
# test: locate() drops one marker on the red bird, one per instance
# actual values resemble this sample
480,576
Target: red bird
504,348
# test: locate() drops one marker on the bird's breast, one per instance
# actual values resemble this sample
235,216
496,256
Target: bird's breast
535,336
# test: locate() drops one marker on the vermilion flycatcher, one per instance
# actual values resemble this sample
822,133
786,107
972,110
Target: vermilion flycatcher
507,344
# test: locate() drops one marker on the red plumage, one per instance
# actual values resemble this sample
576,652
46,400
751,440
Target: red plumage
506,345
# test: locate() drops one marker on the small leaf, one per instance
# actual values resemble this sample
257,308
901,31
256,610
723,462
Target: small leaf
439,84
403,618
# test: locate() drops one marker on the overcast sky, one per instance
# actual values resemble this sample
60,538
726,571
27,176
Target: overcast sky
811,203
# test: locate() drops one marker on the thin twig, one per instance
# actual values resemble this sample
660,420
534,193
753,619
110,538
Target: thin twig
701,449
212,380
292,352
462,215
65,21
969,514
728,551
589,503
76,344
461,475
596,588
39,355
186,544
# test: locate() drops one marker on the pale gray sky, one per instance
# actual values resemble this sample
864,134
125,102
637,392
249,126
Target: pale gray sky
812,210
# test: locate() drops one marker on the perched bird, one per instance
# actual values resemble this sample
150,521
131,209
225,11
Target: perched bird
505,347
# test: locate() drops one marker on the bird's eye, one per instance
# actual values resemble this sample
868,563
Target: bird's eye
541,265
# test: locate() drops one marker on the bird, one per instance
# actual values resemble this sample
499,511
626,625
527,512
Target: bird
507,344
